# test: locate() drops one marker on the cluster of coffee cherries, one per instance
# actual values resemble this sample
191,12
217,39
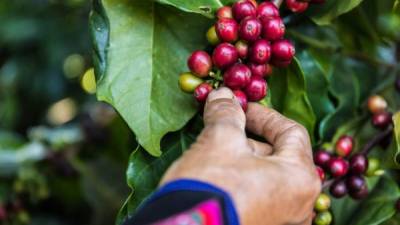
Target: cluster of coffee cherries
247,41
299,6
381,117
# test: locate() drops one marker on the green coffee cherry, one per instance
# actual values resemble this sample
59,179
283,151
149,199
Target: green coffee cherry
323,218
323,203
188,82
373,167
212,36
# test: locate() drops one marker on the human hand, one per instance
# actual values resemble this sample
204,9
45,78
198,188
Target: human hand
271,184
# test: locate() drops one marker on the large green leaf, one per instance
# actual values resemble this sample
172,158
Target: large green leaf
141,47
144,171
205,7
324,14
289,96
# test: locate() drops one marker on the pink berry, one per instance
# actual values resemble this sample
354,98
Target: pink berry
227,30
358,164
267,10
237,77
250,29
242,9
382,120
344,146
201,92
322,158
242,48
200,63
338,189
260,52
321,173
338,167
282,50
296,6
258,70
224,55
242,98
225,12
256,89
273,28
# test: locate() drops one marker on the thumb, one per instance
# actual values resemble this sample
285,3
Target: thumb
224,122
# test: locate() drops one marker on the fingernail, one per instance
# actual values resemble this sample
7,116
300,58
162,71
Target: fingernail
220,93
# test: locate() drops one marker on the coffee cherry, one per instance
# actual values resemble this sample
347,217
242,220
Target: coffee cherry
377,104
212,36
344,146
237,77
201,92
242,98
362,193
373,167
242,48
323,203
256,89
338,167
273,28
242,9
258,70
250,29
224,55
188,82
358,164
382,120
282,52
200,63
296,6
355,183
254,2
321,173
227,30
338,189
267,10
260,52
225,12
322,158
323,218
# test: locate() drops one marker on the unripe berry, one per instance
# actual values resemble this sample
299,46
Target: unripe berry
225,12
377,104
267,10
242,9
344,146
227,30
237,77
323,218
242,48
256,89
322,158
242,98
202,91
321,173
338,189
260,52
282,52
338,167
362,193
358,164
258,70
224,55
212,36
273,28
373,167
200,63
188,82
296,6
323,203
382,120
250,29
355,183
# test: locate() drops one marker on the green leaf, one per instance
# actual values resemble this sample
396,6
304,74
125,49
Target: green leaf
138,65
393,157
144,171
205,7
288,94
325,13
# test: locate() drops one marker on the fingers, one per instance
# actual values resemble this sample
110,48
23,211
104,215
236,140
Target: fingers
259,148
224,122
286,136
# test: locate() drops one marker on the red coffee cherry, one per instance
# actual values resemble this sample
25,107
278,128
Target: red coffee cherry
256,89
258,70
242,48
338,167
225,12
237,77
382,120
321,173
273,28
282,52
200,63
224,55
260,52
202,91
267,10
250,29
242,9
242,98
227,30
362,193
296,6
355,183
358,164
344,146
338,189
322,158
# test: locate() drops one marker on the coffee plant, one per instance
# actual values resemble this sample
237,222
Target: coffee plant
331,65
